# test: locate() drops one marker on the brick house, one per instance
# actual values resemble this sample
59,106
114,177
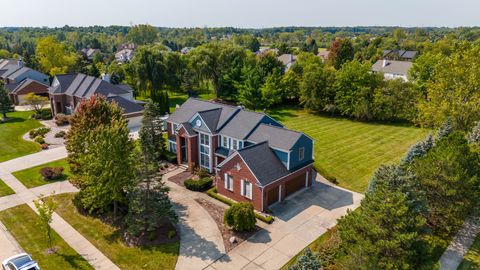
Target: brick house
21,80
254,158
67,90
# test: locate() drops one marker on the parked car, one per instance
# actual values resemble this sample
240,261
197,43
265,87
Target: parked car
21,261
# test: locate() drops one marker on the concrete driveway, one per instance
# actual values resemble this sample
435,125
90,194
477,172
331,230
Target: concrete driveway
298,221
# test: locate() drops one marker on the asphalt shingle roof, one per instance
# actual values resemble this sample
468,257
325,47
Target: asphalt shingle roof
277,137
392,66
211,118
84,86
263,163
127,105
242,124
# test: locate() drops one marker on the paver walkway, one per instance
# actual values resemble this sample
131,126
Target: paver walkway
458,248
24,195
298,221
200,240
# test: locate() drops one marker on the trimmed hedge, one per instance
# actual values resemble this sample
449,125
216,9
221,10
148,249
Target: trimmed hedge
213,193
198,185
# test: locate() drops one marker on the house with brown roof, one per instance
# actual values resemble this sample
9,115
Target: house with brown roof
67,90
255,159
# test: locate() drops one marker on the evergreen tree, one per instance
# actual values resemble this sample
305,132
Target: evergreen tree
5,102
418,150
250,94
152,142
307,261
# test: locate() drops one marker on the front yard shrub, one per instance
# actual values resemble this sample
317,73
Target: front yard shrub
213,193
51,173
198,185
45,114
38,132
60,134
39,139
44,146
170,157
202,173
62,119
240,216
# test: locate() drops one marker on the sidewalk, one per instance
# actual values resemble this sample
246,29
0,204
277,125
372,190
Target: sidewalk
23,195
458,248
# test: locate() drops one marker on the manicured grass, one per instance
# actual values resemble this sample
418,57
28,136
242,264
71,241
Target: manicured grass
31,177
178,98
4,189
348,150
472,259
22,223
11,143
108,240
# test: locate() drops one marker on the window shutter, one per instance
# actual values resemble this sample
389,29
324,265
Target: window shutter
225,181
250,190
242,187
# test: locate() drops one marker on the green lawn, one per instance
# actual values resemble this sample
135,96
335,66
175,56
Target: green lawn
11,143
472,259
107,239
4,189
175,98
349,150
21,222
31,177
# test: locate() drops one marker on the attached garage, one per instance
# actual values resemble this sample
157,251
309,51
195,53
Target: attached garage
295,184
134,122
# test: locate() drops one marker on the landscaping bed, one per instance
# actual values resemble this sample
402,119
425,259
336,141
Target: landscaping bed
217,213
22,222
32,177
180,178
108,239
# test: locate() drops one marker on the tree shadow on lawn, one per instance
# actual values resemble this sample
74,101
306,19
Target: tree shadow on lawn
12,120
72,260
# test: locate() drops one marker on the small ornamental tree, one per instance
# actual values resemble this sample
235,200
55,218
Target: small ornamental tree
35,102
5,103
240,217
307,261
46,206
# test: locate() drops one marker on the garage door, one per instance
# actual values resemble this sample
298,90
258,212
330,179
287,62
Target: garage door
272,196
295,184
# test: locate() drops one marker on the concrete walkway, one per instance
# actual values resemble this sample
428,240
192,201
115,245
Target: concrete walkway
458,248
8,244
23,195
200,240
298,221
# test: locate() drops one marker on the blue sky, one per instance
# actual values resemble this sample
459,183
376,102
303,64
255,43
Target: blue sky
241,13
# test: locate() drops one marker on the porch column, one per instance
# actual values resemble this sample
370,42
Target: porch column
179,149
191,163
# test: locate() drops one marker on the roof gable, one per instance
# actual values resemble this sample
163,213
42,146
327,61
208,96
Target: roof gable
277,137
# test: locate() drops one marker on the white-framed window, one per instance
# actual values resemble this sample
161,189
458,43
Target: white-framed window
224,141
205,151
234,144
174,127
228,179
246,189
301,153
172,146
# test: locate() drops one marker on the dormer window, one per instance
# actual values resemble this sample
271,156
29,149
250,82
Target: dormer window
301,153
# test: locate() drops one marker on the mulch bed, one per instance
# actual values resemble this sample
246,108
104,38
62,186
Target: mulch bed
217,214
181,177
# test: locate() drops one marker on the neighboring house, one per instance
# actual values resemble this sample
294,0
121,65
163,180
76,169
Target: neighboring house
254,157
287,60
18,91
266,50
186,50
323,55
399,55
124,55
392,69
20,80
68,90
90,53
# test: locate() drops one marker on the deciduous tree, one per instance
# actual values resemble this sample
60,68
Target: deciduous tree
35,102
55,57
5,102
